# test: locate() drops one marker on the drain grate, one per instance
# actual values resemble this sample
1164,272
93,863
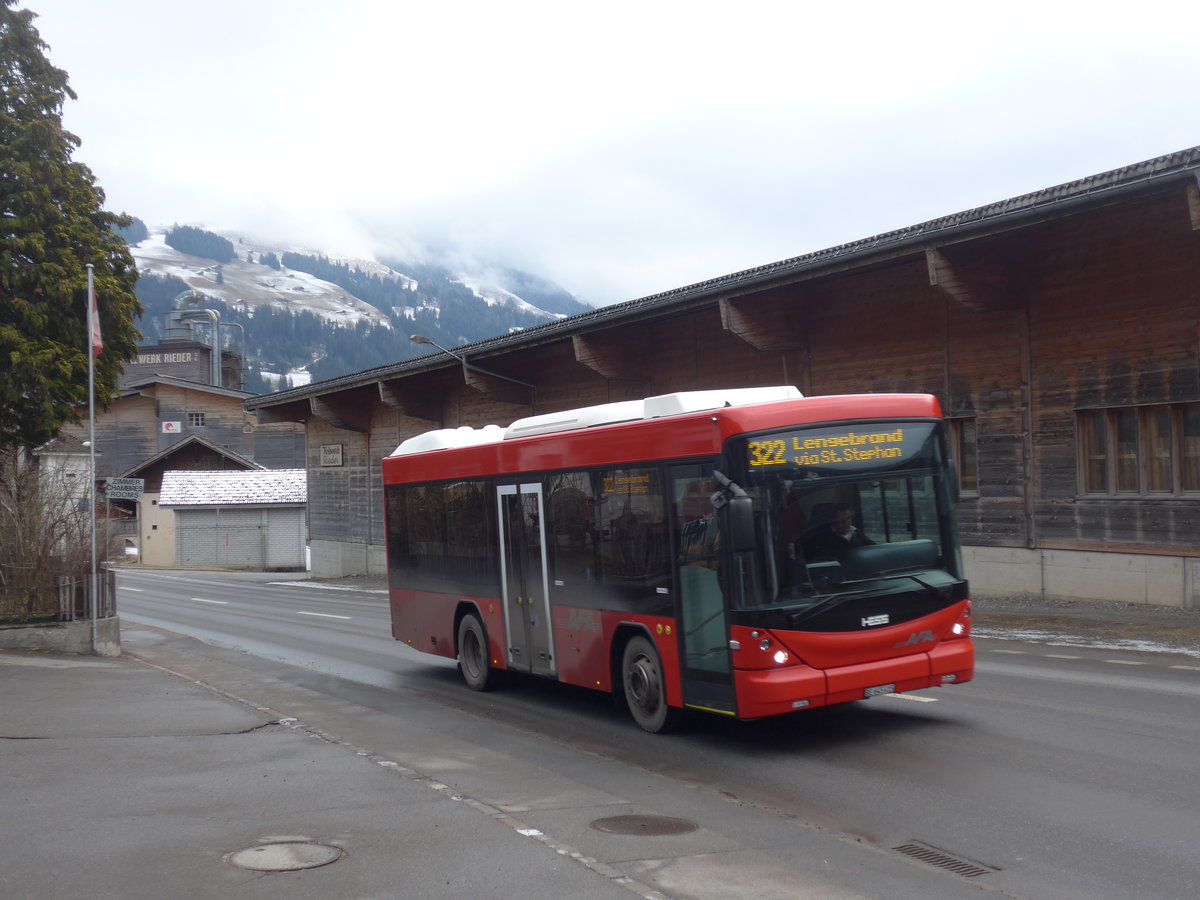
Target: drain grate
934,857
643,825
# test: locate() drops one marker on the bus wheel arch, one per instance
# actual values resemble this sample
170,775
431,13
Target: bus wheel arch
473,650
640,681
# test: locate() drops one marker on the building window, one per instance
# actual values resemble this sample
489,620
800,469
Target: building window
965,450
1150,451
195,419
1189,451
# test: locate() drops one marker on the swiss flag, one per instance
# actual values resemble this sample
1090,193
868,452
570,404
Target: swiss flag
94,316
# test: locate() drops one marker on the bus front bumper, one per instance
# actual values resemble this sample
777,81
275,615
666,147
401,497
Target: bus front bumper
771,692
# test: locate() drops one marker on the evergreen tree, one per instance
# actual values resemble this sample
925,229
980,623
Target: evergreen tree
54,225
135,233
198,242
156,293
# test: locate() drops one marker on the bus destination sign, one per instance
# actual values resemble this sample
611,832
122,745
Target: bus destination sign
826,447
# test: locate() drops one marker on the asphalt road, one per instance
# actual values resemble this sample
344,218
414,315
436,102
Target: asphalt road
1060,772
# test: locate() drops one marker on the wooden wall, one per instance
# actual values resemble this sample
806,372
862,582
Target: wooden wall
130,431
1017,329
1114,317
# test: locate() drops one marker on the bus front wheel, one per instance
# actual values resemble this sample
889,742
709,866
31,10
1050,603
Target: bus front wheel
473,654
645,689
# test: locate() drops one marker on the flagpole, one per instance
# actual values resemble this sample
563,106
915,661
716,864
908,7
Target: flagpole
93,608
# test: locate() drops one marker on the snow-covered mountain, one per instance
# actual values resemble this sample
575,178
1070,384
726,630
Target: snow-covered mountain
378,303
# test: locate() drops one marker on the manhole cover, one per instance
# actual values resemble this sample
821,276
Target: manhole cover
644,825
285,856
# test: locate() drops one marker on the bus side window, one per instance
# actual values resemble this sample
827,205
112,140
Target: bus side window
469,563
697,522
426,526
400,559
633,545
570,533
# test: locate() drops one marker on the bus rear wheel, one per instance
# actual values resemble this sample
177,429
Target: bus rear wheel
473,654
645,689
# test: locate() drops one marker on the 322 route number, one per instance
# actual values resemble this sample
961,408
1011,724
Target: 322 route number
767,453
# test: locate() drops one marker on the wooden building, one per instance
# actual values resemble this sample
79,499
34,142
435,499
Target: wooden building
154,413
1060,331
153,537
160,422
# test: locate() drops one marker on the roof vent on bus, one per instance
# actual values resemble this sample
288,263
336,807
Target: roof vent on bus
447,438
570,419
650,408
697,401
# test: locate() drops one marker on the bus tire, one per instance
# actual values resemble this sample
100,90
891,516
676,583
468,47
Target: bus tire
473,657
645,688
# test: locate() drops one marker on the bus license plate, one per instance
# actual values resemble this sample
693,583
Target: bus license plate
879,690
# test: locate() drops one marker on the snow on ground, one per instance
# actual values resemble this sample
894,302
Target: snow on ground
1068,639
294,378
496,296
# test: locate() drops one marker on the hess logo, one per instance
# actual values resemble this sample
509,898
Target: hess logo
869,621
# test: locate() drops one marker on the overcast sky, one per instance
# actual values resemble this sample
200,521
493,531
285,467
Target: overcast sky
622,148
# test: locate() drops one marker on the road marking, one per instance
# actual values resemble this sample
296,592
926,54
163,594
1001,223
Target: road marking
137,590
1062,656
319,585
1125,662
915,698
1011,652
218,602
1187,668
322,615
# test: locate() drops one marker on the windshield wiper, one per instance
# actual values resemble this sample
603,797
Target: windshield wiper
828,603
835,599
929,588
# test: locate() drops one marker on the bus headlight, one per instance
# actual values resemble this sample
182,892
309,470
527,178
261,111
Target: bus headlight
781,656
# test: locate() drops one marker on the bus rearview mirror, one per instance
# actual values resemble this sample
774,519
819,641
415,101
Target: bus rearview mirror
739,523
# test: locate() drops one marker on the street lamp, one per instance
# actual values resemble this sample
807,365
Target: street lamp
421,339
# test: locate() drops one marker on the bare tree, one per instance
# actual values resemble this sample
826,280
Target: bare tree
45,532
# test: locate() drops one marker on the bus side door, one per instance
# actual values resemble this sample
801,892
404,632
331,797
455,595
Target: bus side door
703,629
525,578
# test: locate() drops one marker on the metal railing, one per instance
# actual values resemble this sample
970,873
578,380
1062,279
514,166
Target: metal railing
25,597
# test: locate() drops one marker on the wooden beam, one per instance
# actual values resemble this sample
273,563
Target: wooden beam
348,413
412,402
771,325
497,387
943,274
1193,198
617,358
297,411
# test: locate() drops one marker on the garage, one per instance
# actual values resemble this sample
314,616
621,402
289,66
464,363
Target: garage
252,521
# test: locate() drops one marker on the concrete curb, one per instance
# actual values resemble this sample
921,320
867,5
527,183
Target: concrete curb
65,637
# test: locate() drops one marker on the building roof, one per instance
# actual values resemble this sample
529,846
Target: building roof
271,487
147,385
1026,209
181,445
65,443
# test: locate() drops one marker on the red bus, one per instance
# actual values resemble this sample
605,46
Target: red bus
747,552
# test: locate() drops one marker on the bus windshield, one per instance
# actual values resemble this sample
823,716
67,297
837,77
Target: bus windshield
860,508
